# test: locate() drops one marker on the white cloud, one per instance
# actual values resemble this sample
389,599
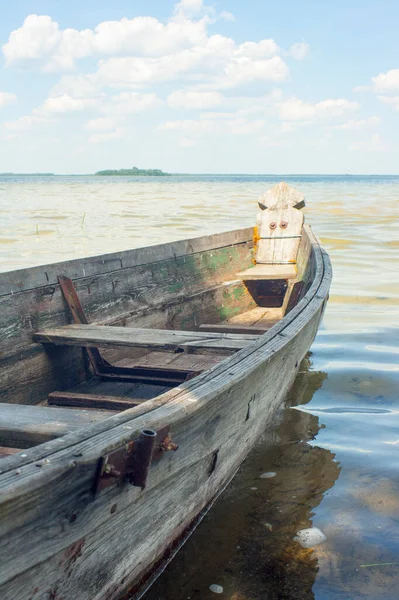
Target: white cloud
41,42
384,83
263,49
39,36
78,86
142,51
244,126
244,70
64,104
131,102
227,16
298,110
189,8
391,100
217,64
374,144
187,126
99,138
360,125
194,100
299,51
6,98
192,128
100,124
25,123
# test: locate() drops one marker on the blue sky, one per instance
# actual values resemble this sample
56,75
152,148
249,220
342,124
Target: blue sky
197,86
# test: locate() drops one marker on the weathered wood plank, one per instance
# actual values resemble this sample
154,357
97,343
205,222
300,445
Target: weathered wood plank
47,275
226,328
282,194
122,389
279,225
279,235
305,273
263,271
179,360
259,317
24,426
81,400
103,336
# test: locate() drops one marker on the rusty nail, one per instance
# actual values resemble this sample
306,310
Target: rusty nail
167,444
273,225
283,224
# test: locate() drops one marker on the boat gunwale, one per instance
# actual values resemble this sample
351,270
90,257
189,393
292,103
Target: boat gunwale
152,409
116,262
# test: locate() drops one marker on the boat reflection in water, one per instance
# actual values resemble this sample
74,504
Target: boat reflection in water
245,544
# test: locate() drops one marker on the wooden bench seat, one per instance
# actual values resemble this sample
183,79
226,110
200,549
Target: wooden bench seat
24,426
269,271
103,336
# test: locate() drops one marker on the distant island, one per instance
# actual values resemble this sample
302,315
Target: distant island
134,171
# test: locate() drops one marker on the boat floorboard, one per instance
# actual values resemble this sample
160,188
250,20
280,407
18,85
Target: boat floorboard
264,317
179,360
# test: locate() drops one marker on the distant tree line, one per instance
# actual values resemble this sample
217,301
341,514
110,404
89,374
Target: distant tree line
133,171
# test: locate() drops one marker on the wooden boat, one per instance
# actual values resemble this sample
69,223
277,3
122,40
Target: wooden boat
119,430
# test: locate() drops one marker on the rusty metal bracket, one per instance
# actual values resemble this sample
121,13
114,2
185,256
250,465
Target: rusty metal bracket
132,461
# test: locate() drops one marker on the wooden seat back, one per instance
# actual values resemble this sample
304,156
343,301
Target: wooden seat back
279,225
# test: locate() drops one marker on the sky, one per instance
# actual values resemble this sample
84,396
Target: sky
200,86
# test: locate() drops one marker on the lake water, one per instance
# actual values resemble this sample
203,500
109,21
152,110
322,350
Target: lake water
335,446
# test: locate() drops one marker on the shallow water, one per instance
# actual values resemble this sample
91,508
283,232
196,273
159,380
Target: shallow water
335,446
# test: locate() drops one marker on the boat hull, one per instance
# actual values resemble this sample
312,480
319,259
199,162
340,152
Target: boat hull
60,540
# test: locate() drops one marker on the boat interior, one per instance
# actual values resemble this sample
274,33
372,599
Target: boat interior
85,347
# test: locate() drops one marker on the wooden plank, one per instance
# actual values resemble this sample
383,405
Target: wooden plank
279,225
179,360
24,426
89,267
81,400
78,314
103,336
226,328
259,317
263,271
282,194
280,234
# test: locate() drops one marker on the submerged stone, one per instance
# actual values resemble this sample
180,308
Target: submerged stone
310,537
268,475
217,589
